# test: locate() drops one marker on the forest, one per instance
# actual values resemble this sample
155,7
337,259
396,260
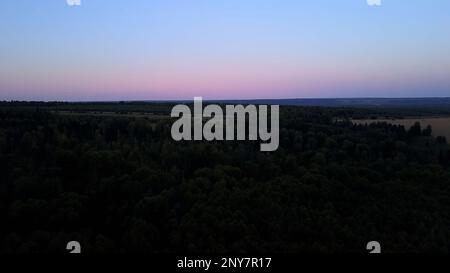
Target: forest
110,176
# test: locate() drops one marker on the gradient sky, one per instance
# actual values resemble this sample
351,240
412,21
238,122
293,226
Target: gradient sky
223,49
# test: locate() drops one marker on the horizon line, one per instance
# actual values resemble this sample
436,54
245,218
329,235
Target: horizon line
234,99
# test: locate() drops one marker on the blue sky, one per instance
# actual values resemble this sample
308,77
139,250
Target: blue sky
223,49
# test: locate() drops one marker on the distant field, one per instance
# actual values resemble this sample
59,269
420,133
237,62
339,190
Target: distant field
440,125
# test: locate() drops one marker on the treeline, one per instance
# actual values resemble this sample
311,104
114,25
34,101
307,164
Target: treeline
123,185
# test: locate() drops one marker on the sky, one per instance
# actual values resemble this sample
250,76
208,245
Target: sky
223,49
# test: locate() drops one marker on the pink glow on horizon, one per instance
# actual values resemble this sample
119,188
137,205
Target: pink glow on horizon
224,80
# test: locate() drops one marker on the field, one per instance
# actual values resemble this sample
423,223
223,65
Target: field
440,125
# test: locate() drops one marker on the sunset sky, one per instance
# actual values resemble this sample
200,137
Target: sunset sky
223,49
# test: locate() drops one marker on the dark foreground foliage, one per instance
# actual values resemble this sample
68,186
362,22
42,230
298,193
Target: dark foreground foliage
121,184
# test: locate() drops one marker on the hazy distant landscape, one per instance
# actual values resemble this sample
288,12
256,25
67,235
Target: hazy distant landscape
353,102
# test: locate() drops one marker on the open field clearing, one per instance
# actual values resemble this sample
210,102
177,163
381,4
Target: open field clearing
440,125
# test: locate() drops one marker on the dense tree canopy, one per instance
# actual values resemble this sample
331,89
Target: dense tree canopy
121,184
